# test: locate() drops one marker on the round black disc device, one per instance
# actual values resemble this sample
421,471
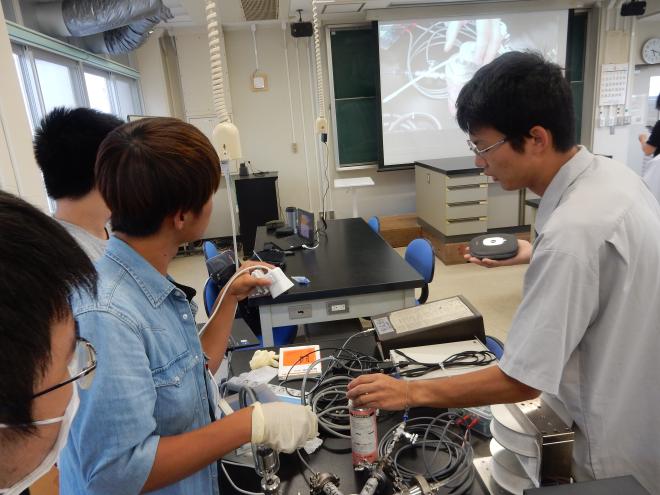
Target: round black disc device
494,246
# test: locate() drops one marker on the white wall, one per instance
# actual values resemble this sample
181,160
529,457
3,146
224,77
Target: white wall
152,78
644,31
194,65
19,173
622,141
264,118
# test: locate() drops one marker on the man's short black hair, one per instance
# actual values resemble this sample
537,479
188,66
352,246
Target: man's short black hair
41,266
65,147
657,103
516,92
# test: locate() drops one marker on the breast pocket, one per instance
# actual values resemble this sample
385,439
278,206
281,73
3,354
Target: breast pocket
176,395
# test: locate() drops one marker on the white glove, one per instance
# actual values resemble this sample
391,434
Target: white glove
263,358
282,426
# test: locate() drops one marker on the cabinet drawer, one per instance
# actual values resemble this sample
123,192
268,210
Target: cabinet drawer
466,226
463,180
467,210
463,194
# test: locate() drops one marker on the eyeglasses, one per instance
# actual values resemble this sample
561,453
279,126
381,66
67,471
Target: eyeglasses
481,153
81,367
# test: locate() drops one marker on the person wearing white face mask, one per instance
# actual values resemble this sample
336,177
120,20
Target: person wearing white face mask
42,359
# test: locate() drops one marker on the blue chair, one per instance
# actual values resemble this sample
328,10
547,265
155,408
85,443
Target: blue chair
374,223
281,335
211,293
419,254
209,250
495,346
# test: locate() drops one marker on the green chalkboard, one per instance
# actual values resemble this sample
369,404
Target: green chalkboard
576,47
356,94
358,122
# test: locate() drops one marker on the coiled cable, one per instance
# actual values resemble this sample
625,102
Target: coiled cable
436,435
215,52
317,56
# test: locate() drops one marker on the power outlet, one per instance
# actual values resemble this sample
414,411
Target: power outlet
300,311
337,307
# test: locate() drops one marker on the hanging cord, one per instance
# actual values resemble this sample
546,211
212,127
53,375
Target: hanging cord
224,167
304,126
288,85
317,54
218,87
215,52
253,28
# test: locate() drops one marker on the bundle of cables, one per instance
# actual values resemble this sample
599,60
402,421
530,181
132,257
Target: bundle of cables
458,360
327,397
446,451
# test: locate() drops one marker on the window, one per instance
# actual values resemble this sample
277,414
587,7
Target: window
127,97
52,73
98,91
50,80
654,86
21,80
57,81
652,113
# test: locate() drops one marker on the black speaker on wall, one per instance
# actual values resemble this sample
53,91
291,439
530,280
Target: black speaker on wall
633,8
301,29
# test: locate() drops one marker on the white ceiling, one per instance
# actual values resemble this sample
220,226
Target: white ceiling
192,12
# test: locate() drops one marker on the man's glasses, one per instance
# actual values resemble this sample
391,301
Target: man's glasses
81,367
481,153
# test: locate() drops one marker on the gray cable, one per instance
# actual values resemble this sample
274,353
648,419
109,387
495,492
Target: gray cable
458,472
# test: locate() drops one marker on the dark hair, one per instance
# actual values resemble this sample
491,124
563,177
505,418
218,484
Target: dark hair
516,92
152,168
41,266
657,103
65,146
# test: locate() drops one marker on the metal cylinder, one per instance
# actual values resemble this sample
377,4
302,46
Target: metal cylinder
370,486
364,435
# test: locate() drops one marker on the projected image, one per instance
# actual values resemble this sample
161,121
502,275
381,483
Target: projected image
425,63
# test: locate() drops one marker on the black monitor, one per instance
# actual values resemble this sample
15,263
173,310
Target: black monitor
305,225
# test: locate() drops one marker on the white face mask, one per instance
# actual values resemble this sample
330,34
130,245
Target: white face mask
51,457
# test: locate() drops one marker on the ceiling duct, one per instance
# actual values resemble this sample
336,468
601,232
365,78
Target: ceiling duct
260,10
102,26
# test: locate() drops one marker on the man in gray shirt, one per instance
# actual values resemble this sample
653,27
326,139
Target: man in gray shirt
586,334
65,147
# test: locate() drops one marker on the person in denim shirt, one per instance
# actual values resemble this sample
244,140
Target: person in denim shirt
148,423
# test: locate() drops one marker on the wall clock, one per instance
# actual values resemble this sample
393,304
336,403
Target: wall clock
651,51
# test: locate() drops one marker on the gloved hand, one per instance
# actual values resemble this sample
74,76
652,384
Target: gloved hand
263,358
282,426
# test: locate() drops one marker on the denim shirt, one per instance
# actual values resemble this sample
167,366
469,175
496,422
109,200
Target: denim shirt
150,381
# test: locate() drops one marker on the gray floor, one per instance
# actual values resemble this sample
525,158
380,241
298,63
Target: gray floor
496,293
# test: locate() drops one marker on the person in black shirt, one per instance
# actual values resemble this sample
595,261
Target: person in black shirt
651,144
